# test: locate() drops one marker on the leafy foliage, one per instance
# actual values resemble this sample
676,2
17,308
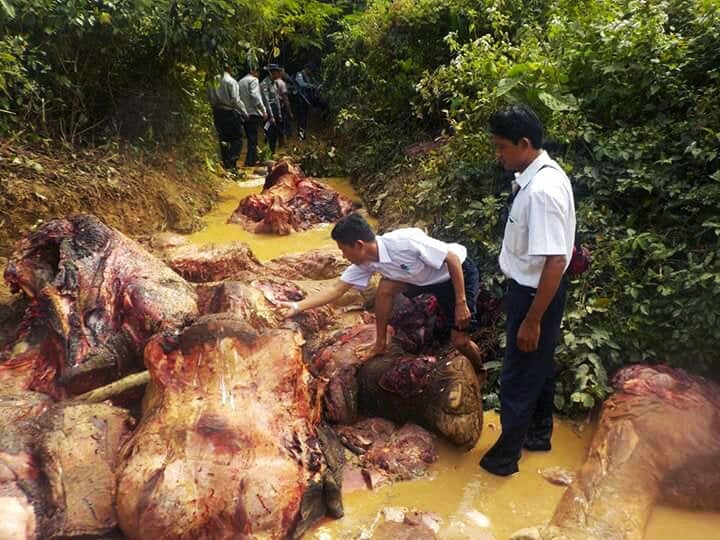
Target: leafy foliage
628,95
137,67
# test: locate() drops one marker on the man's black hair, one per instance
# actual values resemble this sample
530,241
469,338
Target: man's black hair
352,228
516,122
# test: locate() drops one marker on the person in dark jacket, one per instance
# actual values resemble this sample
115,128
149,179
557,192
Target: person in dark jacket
305,97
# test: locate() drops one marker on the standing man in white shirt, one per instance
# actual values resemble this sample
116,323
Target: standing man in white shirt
536,250
412,263
229,113
249,87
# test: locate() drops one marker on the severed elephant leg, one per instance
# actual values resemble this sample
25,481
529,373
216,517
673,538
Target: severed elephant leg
658,440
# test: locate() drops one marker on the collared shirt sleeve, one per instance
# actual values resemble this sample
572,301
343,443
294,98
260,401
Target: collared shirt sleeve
234,91
546,224
431,251
264,94
357,276
256,97
213,88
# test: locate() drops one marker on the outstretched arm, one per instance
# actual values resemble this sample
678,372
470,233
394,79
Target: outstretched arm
288,309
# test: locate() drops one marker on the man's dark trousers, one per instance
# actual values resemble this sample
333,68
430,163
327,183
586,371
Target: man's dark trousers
229,126
302,109
273,131
251,132
271,136
527,382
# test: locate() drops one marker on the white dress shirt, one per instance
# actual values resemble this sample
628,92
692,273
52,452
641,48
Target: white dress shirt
223,93
541,222
406,255
249,91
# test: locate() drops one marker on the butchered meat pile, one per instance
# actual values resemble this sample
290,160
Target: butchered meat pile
161,394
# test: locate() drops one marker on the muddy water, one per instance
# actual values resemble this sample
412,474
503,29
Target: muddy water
265,247
470,502
473,504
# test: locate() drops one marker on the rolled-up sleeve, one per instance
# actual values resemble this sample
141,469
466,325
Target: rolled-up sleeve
547,216
357,276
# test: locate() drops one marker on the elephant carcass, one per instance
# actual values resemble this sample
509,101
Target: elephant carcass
57,465
95,296
388,453
316,264
78,449
290,202
21,486
440,394
227,446
658,440
256,302
212,262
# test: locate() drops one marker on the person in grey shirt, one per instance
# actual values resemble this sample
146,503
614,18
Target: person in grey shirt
271,100
252,100
229,113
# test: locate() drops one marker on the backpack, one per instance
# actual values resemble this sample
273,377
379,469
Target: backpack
580,261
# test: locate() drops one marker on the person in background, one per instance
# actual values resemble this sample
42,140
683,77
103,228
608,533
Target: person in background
250,96
305,97
273,105
536,250
287,115
412,263
229,114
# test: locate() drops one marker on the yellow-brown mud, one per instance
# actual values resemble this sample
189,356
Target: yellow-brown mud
473,504
266,246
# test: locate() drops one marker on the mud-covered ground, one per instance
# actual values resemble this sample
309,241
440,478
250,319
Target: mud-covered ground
136,194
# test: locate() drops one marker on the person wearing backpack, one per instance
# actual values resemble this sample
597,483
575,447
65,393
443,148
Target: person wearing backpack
536,251
306,91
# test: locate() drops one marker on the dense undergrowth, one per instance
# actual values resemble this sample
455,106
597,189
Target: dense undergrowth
628,92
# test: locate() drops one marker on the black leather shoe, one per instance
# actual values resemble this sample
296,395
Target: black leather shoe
504,470
537,446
